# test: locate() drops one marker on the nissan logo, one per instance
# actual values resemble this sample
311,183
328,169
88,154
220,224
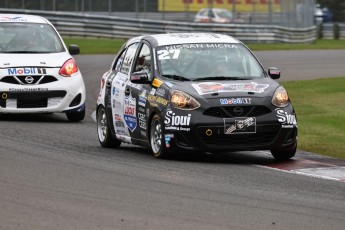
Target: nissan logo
238,111
29,79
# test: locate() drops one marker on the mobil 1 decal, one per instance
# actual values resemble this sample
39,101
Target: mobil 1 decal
239,125
285,119
175,121
130,112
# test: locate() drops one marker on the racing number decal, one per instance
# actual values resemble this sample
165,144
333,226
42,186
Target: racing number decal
165,54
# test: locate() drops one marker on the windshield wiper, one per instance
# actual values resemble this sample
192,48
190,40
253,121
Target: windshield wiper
219,78
176,77
24,52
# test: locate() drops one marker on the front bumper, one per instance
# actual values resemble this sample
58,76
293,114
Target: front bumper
63,95
209,134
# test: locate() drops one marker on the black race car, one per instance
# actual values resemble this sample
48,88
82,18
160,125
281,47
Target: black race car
194,91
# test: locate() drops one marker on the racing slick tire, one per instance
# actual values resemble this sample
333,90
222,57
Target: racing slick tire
157,142
76,115
283,154
105,137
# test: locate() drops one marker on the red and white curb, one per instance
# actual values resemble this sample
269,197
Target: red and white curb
310,168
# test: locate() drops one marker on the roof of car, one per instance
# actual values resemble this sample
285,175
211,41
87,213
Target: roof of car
22,18
181,38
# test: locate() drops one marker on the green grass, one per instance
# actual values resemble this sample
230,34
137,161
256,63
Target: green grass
319,104
96,46
319,44
320,109
111,46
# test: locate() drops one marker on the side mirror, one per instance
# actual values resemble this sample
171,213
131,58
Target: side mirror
140,77
274,73
73,49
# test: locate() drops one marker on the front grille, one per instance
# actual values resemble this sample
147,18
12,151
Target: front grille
237,111
27,103
28,79
34,99
265,135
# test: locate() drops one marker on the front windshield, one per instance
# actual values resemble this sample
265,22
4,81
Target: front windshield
224,14
205,61
29,38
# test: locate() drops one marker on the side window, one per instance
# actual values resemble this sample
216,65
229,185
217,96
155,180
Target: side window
143,62
119,61
128,58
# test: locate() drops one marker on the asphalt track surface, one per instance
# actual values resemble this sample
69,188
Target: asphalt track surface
55,175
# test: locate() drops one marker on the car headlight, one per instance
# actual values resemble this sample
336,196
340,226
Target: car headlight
181,100
280,97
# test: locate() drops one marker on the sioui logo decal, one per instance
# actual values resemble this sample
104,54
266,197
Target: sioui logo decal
129,113
175,122
287,120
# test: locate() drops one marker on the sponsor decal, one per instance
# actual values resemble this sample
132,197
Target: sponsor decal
160,92
142,120
156,82
153,91
130,113
239,125
156,99
176,48
21,71
235,101
176,122
287,120
142,98
12,19
143,133
27,89
167,138
123,138
169,84
215,87
117,104
41,71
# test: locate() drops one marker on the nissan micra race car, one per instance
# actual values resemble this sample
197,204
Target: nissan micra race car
37,72
194,92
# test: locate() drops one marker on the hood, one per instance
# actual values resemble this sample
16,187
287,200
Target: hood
219,89
33,60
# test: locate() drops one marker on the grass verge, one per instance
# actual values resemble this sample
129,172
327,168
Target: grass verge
319,105
111,46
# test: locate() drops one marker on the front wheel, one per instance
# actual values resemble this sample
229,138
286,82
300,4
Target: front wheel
105,137
76,115
283,154
156,138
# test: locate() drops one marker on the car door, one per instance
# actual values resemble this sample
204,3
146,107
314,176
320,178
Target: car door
136,94
116,85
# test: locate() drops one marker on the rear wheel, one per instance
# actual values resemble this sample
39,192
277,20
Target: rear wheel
283,154
156,138
105,137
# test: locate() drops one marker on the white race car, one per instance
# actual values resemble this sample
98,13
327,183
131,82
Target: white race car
37,72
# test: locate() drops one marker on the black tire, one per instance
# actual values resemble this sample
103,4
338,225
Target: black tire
76,116
283,154
106,139
157,142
